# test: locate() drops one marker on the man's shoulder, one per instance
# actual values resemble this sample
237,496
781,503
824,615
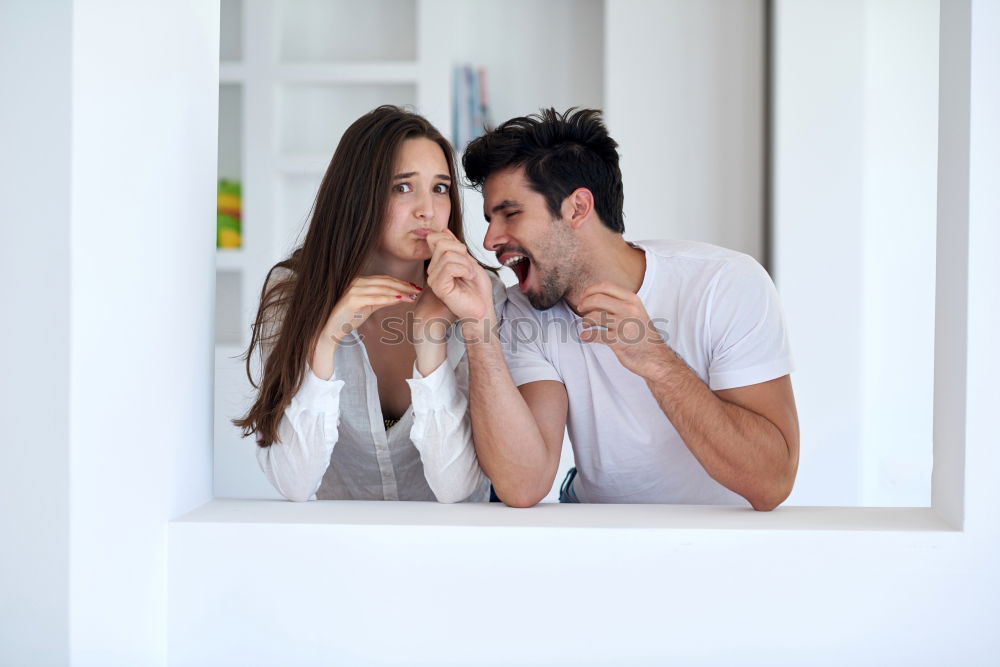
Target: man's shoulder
697,251
698,260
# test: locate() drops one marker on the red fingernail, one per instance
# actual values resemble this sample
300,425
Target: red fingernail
418,286
398,297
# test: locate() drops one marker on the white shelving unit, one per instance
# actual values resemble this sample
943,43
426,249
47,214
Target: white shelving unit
295,73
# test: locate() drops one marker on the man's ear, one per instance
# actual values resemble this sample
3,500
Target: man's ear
577,207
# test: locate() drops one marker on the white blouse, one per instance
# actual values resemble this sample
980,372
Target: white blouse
333,443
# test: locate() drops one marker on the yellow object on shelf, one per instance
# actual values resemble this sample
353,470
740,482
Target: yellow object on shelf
229,210
228,238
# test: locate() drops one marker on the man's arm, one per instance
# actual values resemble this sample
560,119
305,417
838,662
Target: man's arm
746,438
517,446
518,432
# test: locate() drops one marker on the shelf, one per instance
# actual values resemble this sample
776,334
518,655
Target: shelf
231,37
230,131
347,73
311,117
228,307
232,73
346,30
229,259
306,165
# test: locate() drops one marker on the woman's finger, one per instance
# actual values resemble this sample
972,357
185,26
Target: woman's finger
365,292
384,281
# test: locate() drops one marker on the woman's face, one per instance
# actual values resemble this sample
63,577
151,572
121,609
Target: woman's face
419,200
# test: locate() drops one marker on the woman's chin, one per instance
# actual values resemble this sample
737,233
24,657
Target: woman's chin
418,255
422,251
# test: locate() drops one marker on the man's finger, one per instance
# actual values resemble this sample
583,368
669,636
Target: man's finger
449,256
449,270
609,288
602,302
596,335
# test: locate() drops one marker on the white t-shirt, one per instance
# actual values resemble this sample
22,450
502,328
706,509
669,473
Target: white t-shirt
716,308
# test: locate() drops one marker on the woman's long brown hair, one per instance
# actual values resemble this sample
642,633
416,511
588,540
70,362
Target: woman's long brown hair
343,232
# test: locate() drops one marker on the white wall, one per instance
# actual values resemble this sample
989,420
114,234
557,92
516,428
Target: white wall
109,132
143,165
855,117
898,246
35,336
684,94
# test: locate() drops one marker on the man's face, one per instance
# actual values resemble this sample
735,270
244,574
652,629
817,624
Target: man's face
522,232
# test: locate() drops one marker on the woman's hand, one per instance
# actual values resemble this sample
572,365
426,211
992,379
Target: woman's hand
364,296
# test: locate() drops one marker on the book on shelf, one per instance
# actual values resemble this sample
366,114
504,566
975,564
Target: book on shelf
470,105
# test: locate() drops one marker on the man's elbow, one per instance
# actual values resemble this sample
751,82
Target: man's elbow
768,499
519,497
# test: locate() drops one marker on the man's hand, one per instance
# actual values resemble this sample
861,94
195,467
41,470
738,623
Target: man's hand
457,279
615,316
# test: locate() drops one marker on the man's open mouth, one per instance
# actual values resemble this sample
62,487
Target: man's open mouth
521,266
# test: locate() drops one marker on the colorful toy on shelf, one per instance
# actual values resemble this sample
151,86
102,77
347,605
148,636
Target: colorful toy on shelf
229,213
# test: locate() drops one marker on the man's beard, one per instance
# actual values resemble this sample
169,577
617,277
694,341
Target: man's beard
551,291
562,249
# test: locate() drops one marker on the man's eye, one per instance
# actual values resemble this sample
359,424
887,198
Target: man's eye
512,214
442,188
402,187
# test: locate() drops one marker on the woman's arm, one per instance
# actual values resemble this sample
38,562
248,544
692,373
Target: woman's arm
442,433
308,432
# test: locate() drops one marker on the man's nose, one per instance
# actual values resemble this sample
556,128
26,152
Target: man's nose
495,237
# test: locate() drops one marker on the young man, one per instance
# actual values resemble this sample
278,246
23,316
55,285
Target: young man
667,360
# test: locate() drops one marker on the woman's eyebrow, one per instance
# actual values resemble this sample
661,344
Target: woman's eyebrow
411,174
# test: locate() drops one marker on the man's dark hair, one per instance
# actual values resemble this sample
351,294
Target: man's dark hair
559,153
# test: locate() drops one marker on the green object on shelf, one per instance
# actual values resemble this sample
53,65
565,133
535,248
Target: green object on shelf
229,187
228,215
228,232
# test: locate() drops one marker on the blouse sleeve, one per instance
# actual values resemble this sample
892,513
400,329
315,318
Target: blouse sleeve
442,433
296,462
307,432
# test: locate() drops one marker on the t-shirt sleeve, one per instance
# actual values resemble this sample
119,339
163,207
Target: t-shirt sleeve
749,338
521,340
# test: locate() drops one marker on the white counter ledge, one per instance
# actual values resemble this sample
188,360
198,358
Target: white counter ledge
554,515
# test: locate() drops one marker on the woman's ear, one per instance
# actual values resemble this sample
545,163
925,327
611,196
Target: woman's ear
577,207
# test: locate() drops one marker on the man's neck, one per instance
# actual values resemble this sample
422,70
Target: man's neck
609,259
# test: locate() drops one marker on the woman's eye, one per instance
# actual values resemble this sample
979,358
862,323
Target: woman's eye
442,188
403,187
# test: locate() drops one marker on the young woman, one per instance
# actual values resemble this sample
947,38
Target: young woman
363,394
